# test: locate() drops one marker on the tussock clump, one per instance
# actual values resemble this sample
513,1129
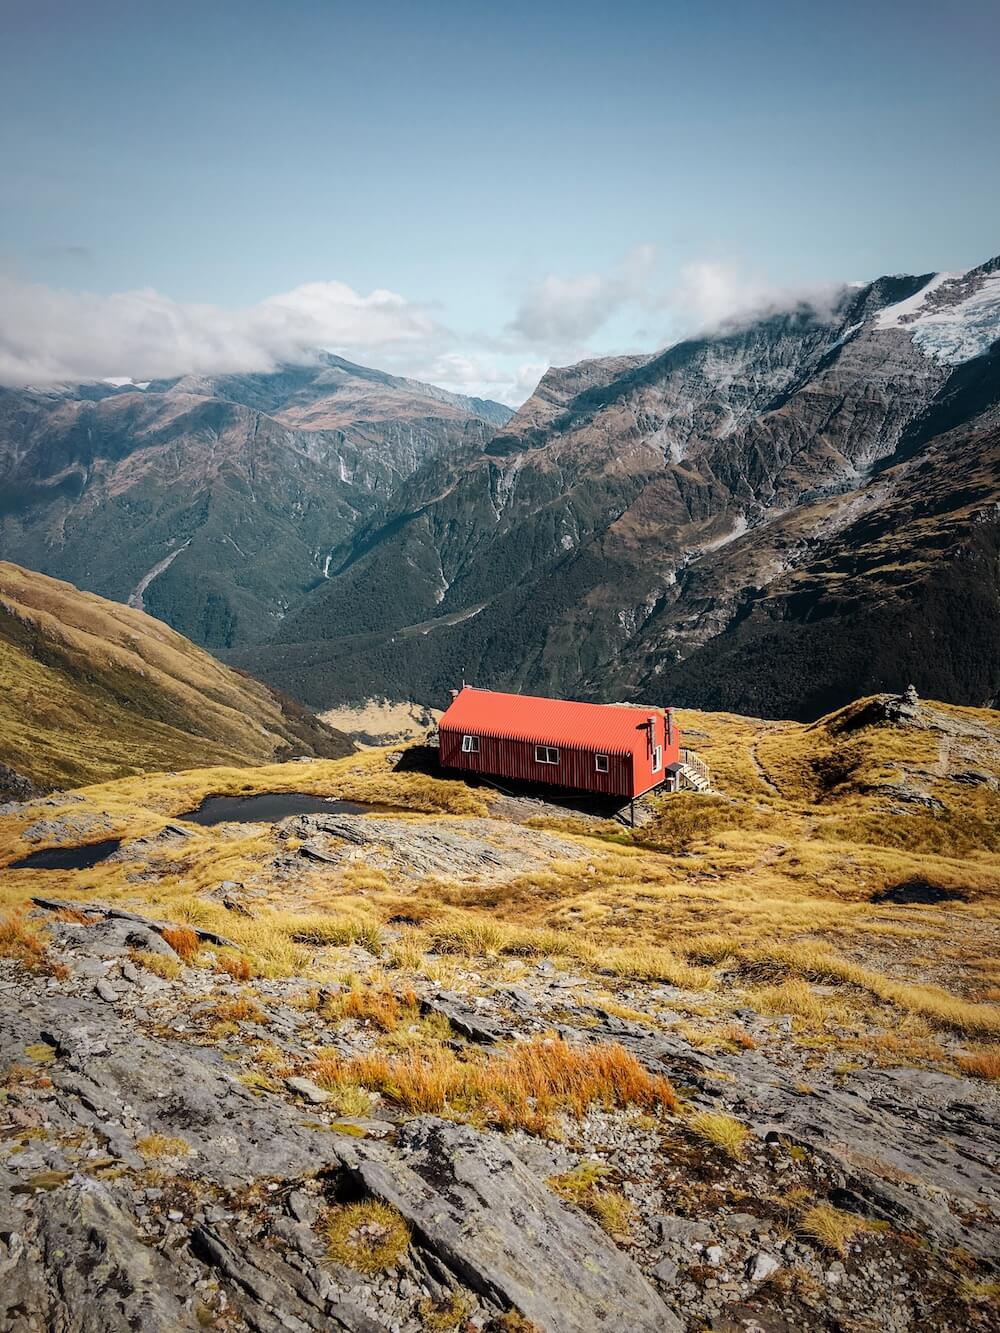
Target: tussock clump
608,1207
154,1146
830,1227
981,1063
721,1131
441,1316
240,1009
183,940
370,1237
376,1006
168,969
523,1087
346,1097
236,965
22,941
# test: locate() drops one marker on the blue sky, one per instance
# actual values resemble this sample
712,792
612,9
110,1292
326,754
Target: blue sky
469,192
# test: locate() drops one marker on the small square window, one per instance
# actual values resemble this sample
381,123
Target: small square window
601,763
470,744
546,754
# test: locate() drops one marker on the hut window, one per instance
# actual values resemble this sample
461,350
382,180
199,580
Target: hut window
657,758
546,754
470,744
601,763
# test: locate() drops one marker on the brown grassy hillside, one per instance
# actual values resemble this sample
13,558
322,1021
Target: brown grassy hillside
91,690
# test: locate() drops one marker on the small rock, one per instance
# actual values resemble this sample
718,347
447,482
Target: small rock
761,1266
684,1229
106,991
713,1255
175,1216
304,1087
303,1207
665,1272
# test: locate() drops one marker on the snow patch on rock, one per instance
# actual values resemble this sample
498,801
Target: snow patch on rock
954,318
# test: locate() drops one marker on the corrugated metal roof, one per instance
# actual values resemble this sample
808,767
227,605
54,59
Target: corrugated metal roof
609,728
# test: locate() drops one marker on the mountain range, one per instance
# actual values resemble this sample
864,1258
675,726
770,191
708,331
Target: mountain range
773,518
214,503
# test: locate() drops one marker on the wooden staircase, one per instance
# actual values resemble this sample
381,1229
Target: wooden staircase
693,771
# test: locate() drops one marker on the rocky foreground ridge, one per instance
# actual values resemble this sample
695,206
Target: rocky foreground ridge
471,1062
149,1183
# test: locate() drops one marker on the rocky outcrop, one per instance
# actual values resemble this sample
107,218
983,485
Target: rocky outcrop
160,1171
483,1212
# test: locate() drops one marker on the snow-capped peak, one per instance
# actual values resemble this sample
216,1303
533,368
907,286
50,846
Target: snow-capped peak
954,318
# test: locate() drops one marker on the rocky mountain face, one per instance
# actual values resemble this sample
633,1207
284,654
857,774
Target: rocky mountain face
214,503
91,690
772,519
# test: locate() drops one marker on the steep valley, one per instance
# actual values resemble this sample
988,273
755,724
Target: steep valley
214,504
713,526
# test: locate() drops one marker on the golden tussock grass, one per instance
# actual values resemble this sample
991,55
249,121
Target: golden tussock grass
737,1037
721,1131
814,963
522,1087
830,1227
370,1237
376,1006
981,1063
183,940
154,1146
168,969
240,1009
236,965
441,1316
22,941
609,1207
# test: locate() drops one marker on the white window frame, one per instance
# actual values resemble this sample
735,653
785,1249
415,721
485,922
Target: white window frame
657,758
546,754
602,764
470,744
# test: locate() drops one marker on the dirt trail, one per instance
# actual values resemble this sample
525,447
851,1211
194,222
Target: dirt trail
759,767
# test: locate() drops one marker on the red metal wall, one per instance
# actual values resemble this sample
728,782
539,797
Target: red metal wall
504,758
628,774
645,778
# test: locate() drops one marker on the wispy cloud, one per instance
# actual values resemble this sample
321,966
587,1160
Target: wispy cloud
711,294
560,312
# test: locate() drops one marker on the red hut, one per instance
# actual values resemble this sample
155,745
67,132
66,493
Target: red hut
614,749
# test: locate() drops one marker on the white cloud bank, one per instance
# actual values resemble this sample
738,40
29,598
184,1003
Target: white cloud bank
54,336
711,294
51,336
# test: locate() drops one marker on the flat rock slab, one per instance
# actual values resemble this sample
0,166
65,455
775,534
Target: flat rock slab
484,848
502,1231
